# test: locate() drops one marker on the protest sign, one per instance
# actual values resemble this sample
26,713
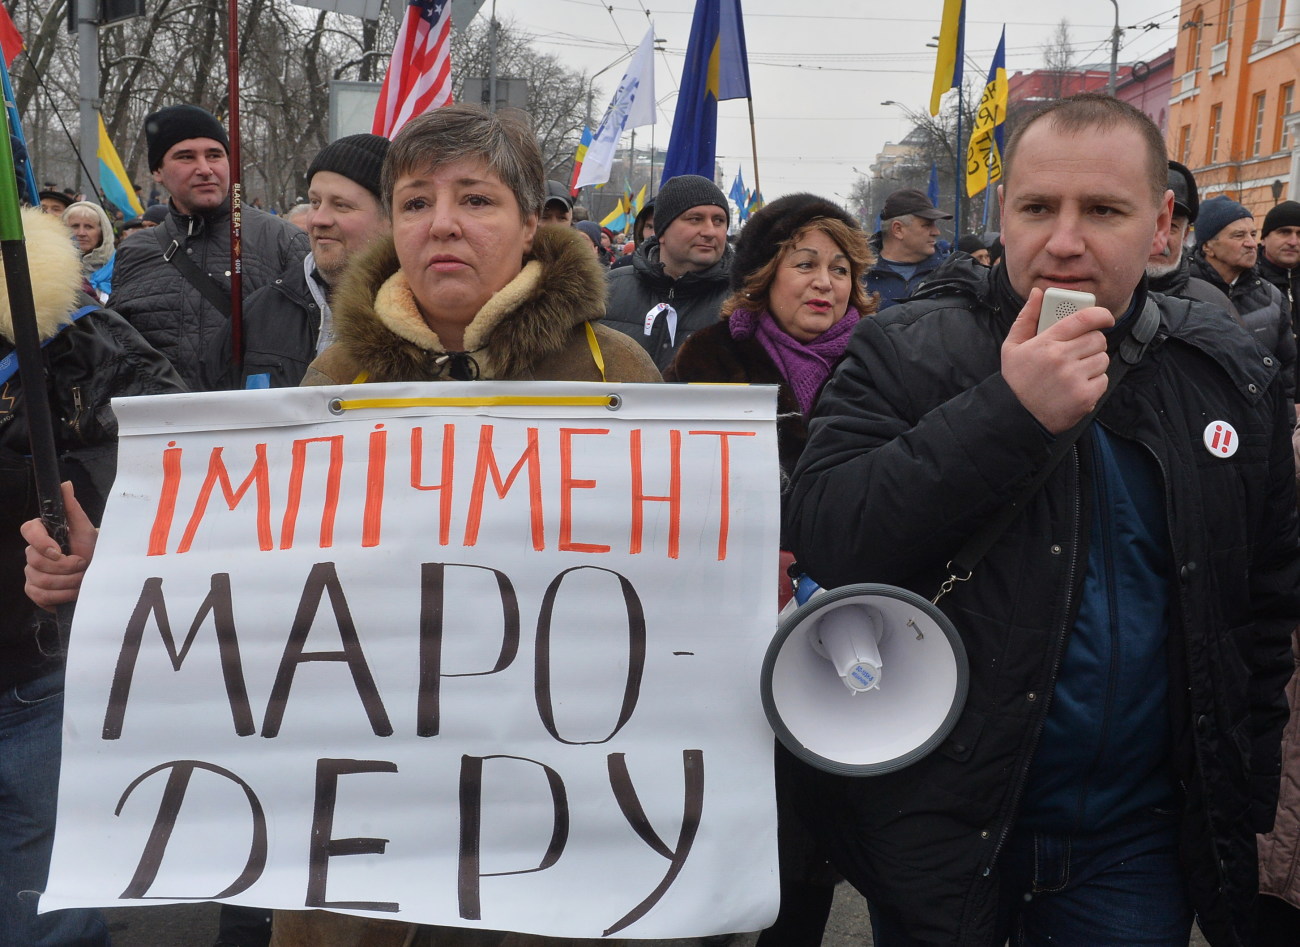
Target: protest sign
483,654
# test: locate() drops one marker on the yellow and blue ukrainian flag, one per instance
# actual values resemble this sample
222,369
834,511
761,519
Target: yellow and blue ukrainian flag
717,68
113,179
952,42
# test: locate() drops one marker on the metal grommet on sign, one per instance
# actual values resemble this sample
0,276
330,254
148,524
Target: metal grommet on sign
615,402
336,406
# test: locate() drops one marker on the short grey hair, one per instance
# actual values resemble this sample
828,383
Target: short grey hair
504,141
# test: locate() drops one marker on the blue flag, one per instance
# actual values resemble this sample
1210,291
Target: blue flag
717,68
739,196
27,191
932,191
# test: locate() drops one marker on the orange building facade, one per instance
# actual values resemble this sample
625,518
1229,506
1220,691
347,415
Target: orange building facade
1234,116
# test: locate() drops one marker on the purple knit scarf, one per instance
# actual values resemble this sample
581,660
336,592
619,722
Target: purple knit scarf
804,365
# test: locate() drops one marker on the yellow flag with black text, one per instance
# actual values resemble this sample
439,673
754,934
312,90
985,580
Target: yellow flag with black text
984,153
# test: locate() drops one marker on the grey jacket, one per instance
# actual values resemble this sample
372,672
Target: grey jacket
154,296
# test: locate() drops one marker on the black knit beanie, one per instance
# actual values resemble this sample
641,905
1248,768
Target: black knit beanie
776,223
357,157
167,126
678,195
1286,214
1215,214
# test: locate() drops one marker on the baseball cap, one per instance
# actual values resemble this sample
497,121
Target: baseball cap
911,201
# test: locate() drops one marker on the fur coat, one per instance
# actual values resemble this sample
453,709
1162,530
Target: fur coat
532,329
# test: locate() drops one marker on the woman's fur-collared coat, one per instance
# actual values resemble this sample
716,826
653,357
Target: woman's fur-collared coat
530,330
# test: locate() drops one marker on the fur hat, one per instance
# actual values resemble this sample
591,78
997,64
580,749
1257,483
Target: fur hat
167,126
776,223
1215,214
358,158
678,195
1286,214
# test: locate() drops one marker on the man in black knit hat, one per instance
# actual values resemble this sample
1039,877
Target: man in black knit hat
287,323
173,283
1279,257
680,276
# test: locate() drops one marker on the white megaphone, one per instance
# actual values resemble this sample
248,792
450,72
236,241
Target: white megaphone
864,679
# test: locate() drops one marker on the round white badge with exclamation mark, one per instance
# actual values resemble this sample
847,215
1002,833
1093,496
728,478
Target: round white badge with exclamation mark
1220,438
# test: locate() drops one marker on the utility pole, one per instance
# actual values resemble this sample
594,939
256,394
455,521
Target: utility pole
1114,51
88,103
493,27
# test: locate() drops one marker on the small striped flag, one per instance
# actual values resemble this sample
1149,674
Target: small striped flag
419,74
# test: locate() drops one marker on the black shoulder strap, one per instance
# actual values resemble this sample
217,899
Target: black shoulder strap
215,294
1131,349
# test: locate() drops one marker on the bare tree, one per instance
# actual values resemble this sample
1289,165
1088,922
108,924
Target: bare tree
1058,60
932,142
557,96
288,56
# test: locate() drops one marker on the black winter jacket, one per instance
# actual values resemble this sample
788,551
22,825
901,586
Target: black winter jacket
1288,284
171,314
282,323
633,290
96,359
917,441
1286,281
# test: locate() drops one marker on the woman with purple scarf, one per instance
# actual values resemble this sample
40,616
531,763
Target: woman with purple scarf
797,295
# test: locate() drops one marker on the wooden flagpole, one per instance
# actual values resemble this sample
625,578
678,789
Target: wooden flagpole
236,202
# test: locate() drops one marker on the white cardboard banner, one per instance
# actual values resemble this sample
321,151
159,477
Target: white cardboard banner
484,666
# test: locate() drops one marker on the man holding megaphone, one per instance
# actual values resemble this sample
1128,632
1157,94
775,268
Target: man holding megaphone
1106,510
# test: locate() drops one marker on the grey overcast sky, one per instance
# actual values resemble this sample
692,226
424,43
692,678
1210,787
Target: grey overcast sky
820,69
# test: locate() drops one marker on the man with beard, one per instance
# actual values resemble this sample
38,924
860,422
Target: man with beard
1168,269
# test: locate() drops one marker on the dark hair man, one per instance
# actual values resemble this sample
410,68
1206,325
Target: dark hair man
906,245
177,306
680,276
1128,634
1279,258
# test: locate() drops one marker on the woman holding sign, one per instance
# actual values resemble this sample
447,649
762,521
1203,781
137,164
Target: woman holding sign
468,287
797,294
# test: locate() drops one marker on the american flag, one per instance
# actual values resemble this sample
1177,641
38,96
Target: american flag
419,74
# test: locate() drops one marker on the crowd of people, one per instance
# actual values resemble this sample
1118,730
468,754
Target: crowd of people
1131,633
